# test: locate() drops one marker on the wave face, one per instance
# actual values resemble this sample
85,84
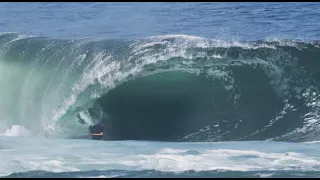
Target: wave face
167,88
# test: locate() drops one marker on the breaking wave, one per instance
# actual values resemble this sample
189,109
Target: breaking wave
167,88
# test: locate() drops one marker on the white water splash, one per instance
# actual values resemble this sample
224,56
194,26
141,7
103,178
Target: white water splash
16,130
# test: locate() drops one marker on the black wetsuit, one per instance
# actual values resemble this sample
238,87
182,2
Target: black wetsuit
97,129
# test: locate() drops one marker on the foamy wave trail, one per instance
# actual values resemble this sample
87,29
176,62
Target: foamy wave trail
170,88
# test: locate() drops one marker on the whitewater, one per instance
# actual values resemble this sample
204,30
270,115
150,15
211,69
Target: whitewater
175,103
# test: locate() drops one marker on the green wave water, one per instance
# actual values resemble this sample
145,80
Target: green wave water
168,88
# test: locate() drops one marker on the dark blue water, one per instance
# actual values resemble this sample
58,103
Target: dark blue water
245,21
262,56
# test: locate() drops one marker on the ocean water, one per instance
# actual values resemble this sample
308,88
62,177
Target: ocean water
185,89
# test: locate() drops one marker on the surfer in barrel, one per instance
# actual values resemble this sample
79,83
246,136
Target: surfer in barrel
96,131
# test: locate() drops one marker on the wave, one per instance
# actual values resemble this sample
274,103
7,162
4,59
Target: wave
167,88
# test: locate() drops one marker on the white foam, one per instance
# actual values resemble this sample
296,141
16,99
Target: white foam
221,159
101,176
77,155
265,175
312,142
49,165
17,130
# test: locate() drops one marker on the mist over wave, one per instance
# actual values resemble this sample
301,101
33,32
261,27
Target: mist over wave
170,88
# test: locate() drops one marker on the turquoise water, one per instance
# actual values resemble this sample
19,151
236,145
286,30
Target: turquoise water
185,89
